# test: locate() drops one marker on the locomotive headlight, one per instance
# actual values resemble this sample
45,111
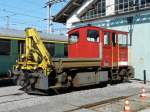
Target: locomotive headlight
35,68
23,56
106,63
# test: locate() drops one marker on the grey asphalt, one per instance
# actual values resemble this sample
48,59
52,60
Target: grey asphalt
67,101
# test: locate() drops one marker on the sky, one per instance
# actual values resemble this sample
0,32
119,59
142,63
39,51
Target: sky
20,14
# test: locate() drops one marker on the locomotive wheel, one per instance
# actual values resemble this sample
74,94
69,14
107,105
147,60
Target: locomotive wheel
15,78
22,82
130,73
25,84
110,77
30,84
123,75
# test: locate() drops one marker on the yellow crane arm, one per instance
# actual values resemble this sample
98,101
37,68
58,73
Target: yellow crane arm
36,54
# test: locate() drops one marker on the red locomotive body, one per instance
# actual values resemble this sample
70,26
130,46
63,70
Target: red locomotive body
111,46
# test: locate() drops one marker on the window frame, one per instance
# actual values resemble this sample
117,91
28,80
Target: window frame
8,42
98,38
109,42
99,10
123,6
122,44
78,38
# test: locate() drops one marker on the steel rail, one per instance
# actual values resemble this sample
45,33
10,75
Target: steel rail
87,106
14,94
13,100
16,100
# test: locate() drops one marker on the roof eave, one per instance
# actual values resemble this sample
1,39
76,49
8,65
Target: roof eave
62,16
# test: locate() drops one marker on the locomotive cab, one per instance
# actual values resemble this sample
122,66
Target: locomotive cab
84,42
110,46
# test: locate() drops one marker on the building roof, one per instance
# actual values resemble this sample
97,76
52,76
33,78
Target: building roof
13,33
72,5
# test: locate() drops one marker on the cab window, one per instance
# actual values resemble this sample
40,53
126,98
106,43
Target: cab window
93,35
107,38
122,39
74,37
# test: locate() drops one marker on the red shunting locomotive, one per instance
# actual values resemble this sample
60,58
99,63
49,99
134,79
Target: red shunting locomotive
110,46
95,55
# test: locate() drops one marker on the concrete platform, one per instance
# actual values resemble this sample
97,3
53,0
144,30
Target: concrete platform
69,101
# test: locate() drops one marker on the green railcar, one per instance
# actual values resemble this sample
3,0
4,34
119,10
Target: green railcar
12,45
8,55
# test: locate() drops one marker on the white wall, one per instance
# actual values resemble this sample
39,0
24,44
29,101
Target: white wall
140,52
110,9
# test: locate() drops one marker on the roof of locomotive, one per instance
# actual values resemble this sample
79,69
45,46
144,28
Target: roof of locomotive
102,28
20,34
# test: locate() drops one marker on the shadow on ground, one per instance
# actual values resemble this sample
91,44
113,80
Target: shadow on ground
6,82
52,92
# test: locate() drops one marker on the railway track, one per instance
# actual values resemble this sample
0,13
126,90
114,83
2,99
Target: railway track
18,96
14,94
16,100
96,105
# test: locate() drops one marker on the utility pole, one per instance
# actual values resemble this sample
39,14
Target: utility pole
49,5
49,18
8,20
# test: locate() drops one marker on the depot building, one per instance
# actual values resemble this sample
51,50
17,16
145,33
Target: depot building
132,16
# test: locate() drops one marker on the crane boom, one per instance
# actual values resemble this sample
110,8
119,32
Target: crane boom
35,45
36,55
35,64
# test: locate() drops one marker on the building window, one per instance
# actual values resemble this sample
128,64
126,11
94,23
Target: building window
5,47
74,37
107,38
145,3
96,10
93,36
122,6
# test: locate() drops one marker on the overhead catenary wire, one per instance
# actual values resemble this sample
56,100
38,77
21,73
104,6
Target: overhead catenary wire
19,13
10,6
22,14
49,5
23,23
32,2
